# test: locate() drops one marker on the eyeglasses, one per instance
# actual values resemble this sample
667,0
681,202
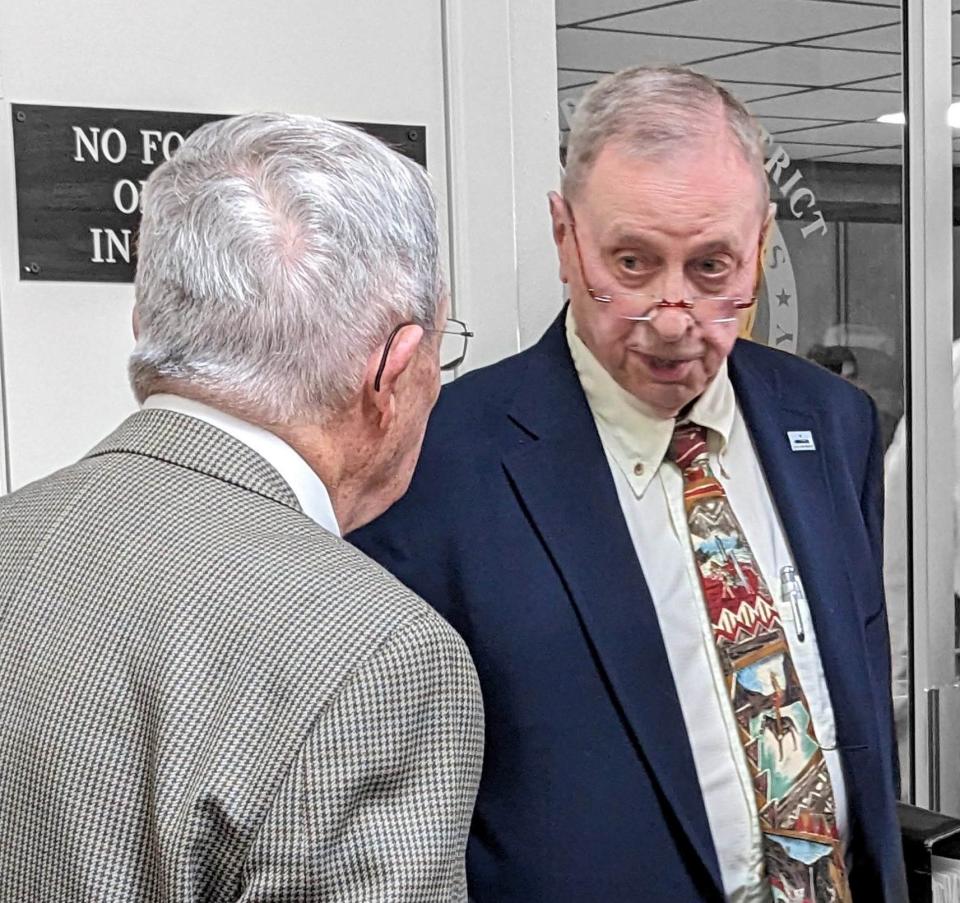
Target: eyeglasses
644,307
453,345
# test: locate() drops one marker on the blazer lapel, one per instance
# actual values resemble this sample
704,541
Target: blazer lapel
565,484
799,481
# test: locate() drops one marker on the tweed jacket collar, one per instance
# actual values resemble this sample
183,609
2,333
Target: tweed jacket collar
187,442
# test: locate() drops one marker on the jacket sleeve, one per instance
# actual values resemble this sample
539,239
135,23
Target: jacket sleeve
377,804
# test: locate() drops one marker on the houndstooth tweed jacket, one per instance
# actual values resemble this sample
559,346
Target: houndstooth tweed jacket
206,697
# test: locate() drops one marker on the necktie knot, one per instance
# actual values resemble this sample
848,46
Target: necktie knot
688,445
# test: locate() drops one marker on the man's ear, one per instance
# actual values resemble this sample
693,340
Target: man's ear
766,233
748,320
135,323
767,230
558,218
390,369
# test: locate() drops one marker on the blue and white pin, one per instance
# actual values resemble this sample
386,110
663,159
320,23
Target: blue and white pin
801,441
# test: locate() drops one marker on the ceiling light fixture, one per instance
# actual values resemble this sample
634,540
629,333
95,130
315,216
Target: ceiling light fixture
953,117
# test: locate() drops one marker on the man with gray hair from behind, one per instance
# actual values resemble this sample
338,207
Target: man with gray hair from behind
206,694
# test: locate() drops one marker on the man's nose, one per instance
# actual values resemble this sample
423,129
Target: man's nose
672,323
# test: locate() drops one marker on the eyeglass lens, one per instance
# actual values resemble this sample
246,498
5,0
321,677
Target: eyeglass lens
704,309
453,347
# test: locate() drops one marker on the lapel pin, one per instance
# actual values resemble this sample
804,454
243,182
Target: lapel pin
801,440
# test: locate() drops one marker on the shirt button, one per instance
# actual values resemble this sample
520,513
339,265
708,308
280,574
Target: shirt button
638,469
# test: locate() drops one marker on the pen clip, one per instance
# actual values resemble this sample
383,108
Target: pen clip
792,593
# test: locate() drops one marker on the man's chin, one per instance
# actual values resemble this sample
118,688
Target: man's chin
666,400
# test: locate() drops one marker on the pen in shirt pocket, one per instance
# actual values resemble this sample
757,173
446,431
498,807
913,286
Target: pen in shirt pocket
791,591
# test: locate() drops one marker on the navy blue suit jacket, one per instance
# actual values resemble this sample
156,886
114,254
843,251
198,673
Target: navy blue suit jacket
512,529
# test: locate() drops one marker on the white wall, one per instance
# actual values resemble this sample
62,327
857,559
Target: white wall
65,344
504,158
480,76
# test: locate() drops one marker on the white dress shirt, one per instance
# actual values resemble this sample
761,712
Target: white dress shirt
650,490
312,495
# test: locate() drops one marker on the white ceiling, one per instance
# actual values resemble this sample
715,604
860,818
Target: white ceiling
817,73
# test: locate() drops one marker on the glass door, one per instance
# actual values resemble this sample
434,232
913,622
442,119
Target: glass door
826,78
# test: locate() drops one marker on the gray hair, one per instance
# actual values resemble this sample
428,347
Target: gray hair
653,110
276,253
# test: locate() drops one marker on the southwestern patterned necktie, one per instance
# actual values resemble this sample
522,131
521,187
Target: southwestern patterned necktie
795,802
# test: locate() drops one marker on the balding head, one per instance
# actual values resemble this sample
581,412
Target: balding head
656,111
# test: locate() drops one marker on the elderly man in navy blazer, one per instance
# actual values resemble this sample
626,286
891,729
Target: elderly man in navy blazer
663,548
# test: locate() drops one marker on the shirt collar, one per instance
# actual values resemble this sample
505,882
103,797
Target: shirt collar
633,435
312,495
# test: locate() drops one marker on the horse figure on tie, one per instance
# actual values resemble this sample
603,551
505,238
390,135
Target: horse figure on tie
779,725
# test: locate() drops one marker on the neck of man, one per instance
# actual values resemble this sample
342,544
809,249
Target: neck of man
339,455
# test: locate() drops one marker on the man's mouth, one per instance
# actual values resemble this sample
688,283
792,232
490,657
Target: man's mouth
667,368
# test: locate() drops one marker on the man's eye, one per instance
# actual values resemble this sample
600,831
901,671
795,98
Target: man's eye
714,266
630,263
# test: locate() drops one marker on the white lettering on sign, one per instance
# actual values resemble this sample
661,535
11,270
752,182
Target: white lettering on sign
779,161
801,201
817,223
797,196
114,138
83,140
151,140
116,243
94,144
127,194
110,144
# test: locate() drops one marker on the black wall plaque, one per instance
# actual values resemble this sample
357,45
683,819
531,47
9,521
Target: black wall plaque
78,174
